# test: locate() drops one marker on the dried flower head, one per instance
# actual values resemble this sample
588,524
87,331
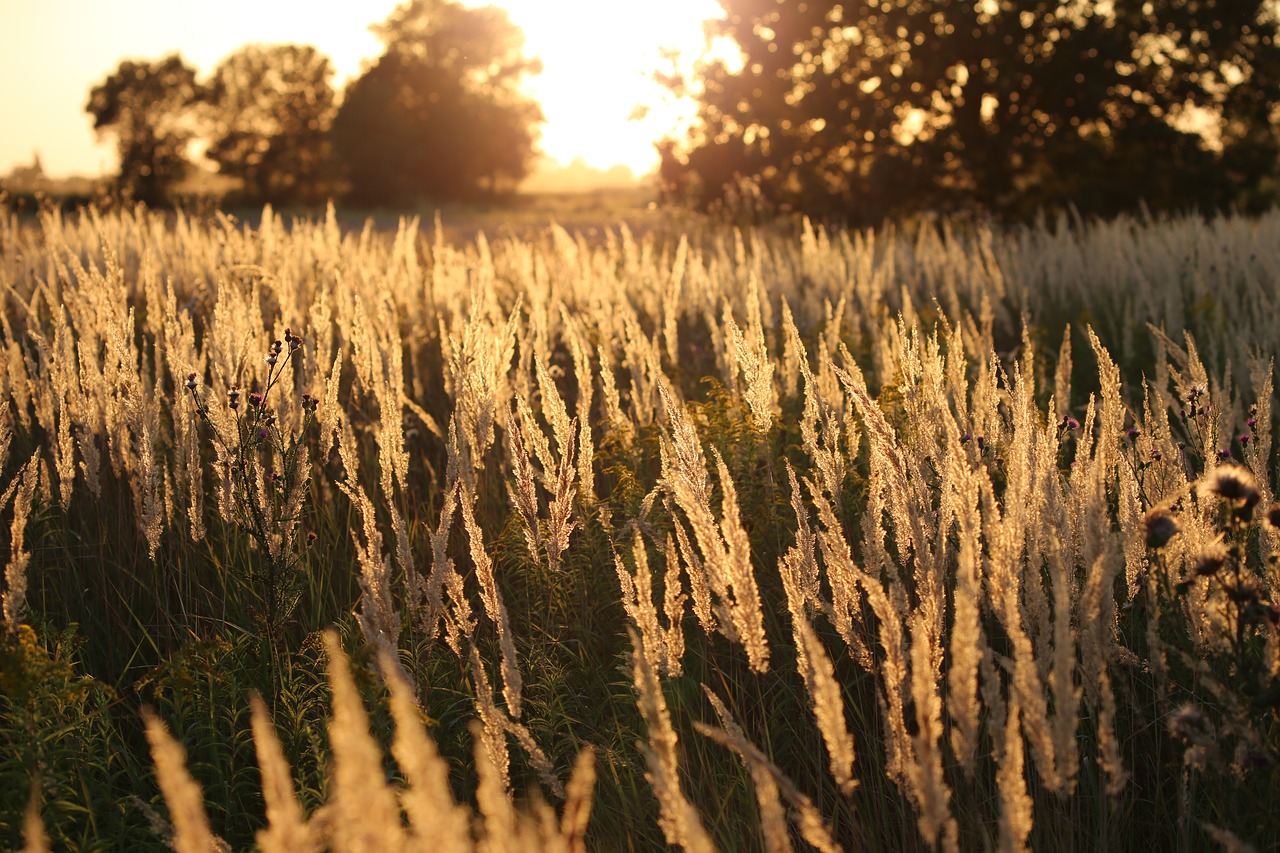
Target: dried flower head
1160,526
1232,483
1210,560
191,382
1244,592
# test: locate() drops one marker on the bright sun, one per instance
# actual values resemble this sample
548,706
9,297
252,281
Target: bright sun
598,57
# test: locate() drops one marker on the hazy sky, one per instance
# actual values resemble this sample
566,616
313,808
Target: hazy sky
595,52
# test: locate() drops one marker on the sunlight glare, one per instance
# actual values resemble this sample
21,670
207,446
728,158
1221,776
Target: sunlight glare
598,58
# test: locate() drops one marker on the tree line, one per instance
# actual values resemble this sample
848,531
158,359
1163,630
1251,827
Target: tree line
439,115
861,110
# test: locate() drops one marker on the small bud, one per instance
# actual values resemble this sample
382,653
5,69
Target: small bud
1132,433
191,382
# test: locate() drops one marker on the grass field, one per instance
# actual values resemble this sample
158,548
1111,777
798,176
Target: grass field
938,537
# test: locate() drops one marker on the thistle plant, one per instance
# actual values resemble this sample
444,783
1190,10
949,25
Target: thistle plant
269,472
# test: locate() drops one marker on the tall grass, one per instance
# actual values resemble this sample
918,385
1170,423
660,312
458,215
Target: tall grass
927,538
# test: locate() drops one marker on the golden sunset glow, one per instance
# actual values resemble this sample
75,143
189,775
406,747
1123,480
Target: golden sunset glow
597,56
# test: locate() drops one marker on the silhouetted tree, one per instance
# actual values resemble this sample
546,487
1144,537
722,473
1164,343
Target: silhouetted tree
271,108
866,109
147,106
440,115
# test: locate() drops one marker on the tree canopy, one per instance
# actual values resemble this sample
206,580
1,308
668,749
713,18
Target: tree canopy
270,108
441,114
147,107
866,109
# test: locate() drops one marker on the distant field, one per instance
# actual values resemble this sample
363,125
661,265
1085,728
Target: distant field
621,536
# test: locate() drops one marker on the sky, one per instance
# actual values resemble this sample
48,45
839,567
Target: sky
596,56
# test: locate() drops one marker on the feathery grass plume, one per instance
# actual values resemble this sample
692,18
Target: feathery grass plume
34,838
769,783
560,521
182,359
639,357
726,551
378,617
637,601
23,490
808,592
182,794
1016,807
752,359
1009,535
554,409
1226,839
491,597
1061,684
577,807
698,588
887,465
613,414
890,666
671,302
845,610
492,734
286,830
523,491
63,378
444,576
678,818
537,758
925,771
492,796
744,596
966,631
819,425
434,817
367,814
580,350
828,703
673,599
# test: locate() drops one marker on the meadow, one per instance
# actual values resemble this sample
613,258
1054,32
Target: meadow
936,537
